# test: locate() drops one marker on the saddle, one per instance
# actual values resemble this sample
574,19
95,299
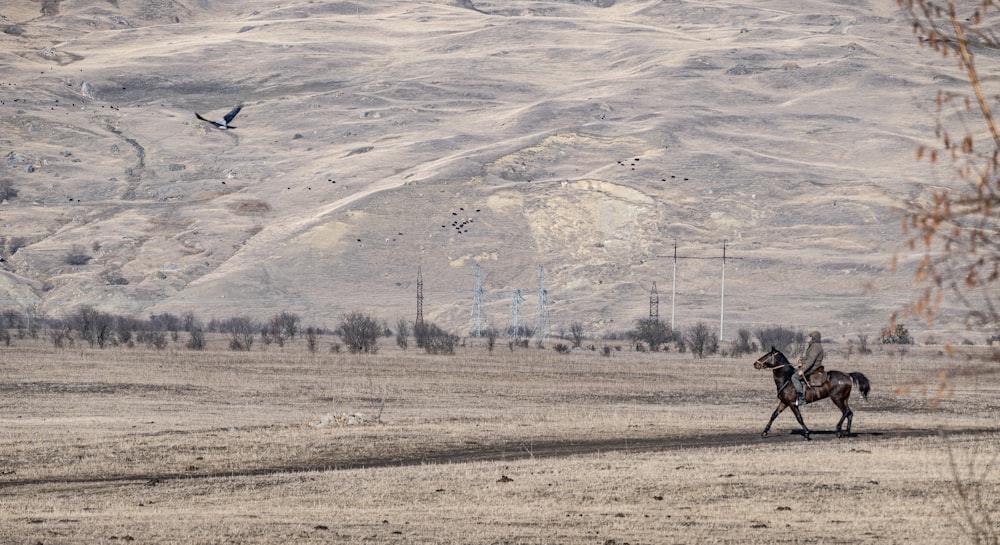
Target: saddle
817,377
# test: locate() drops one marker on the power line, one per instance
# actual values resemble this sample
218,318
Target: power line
722,299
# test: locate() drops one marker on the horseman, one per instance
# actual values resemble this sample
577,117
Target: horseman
807,363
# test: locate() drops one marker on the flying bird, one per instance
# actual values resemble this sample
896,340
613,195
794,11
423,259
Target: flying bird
223,123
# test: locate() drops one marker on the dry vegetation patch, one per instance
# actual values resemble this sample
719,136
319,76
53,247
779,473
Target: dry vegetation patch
527,446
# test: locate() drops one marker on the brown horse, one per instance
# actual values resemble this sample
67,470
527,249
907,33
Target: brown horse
837,386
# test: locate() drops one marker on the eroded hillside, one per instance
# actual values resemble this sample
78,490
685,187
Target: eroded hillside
376,138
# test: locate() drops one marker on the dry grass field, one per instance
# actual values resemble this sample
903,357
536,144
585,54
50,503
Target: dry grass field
529,446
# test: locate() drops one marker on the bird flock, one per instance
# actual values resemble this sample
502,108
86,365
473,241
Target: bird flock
458,223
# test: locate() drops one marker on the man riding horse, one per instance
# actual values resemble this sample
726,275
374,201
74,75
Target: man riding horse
809,362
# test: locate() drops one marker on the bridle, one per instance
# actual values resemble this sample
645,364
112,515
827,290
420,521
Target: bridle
768,361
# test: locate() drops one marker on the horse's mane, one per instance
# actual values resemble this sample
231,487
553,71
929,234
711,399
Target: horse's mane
782,358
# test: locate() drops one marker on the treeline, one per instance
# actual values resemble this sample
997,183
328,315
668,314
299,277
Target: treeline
702,339
357,332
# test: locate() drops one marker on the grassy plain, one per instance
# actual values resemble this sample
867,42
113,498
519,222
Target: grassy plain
529,446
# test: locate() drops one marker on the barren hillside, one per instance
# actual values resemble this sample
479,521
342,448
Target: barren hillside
585,137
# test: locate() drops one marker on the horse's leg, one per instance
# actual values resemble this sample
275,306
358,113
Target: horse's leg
845,414
774,415
798,416
840,396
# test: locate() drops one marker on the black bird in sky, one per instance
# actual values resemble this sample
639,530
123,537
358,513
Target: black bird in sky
223,123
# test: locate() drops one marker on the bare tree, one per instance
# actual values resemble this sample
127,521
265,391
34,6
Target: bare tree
285,324
95,327
312,341
197,340
653,333
167,322
491,335
576,331
360,332
957,228
743,344
776,336
240,331
402,333
702,339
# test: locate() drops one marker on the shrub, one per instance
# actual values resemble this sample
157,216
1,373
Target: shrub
285,325
561,348
77,256
166,322
7,190
15,243
896,334
433,339
240,331
360,332
576,331
197,340
743,344
61,337
491,338
777,336
402,333
123,330
190,321
652,332
152,338
863,344
702,339
114,278
311,340
95,327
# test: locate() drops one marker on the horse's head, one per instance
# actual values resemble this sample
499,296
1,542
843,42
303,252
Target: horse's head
772,359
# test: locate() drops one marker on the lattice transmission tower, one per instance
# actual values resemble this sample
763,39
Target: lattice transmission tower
542,312
476,326
420,297
654,305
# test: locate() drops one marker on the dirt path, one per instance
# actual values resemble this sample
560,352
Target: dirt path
514,452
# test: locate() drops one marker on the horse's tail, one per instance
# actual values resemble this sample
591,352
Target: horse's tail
862,382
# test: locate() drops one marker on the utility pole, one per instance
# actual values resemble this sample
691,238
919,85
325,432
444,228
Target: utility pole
673,296
722,304
673,284
673,289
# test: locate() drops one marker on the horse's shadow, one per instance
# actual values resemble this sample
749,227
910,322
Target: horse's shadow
834,433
